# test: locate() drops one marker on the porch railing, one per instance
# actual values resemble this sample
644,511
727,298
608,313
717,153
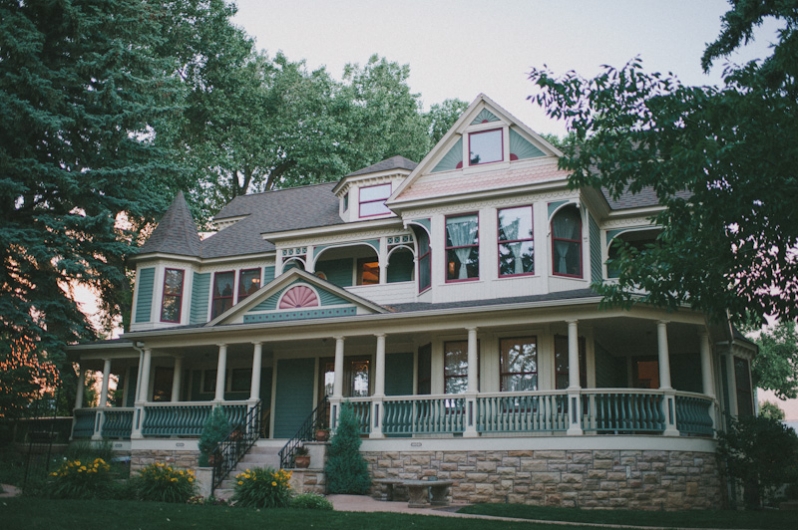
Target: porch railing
362,409
243,435
411,415
84,423
622,411
117,423
185,418
693,416
538,412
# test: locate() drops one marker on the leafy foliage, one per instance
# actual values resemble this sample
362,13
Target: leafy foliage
162,483
77,479
263,488
346,469
760,452
771,411
776,366
311,501
215,430
719,158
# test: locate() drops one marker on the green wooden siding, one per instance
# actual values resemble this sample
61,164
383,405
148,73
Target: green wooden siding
337,271
521,148
268,274
200,296
327,298
400,266
451,159
293,396
146,282
269,304
595,250
400,368
483,116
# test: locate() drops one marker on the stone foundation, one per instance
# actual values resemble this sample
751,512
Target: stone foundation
179,458
308,481
641,480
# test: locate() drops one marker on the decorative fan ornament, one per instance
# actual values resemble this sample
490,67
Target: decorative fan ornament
298,297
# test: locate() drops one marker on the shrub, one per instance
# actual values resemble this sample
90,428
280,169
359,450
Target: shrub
262,488
77,479
214,430
161,482
760,452
311,501
346,469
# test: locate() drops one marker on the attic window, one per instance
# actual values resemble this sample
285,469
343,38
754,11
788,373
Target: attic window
372,200
485,147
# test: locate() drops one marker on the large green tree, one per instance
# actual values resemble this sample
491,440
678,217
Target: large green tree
776,366
721,159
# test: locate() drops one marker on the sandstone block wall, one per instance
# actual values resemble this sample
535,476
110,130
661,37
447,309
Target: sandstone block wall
308,481
181,459
647,480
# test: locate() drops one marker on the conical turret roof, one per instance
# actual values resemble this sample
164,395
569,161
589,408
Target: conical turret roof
176,233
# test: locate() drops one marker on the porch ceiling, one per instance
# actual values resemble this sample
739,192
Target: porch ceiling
634,336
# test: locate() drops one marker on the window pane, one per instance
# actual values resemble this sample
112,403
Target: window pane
462,231
424,273
519,364
456,385
373,193
515,223
485,147
359,384
517,258
170,310
368,272
373,208
567,258
462,244
248,283
519,382
173,282
223,284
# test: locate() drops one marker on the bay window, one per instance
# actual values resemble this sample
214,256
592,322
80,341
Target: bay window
222,292
248,282
516,241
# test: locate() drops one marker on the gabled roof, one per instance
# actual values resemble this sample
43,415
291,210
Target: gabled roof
396,162
176,233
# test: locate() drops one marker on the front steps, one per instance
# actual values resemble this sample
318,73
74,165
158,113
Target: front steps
259,455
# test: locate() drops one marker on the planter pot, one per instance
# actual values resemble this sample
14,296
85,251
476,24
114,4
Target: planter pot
322,435
302,461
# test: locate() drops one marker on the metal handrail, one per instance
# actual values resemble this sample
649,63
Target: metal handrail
229,452
304,434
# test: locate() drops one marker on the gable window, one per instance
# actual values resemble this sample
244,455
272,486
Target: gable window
368,271
516,242
372,200
519,364
485,147
455,367
462,248
172,295
222,292
424,260
248,282
566,242
561,362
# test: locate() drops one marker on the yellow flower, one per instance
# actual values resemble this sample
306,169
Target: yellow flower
240,483
274,483
173,479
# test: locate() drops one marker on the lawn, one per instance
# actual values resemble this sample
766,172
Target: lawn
762,520
32,513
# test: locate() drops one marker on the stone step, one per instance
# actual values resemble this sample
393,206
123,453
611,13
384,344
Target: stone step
271,459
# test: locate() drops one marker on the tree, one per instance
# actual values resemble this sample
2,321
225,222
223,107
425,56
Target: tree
346,470
776,366
720,159
214,431
771,411
81,84
441,117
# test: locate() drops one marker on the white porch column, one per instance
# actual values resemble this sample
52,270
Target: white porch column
379,388
338,383
473,385
81,381
106,379
706,375
257,363
669,396
383,260
177,378
574,387
144,382
221,367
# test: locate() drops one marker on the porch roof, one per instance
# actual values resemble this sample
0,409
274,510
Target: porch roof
549,297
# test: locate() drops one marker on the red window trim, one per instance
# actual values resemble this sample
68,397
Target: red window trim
579,245
500,242
447,248
503,373
178,296
360,203
213,289
240,274
501,132
418,261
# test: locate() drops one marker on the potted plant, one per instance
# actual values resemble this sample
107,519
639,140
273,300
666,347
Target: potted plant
322,434
301,457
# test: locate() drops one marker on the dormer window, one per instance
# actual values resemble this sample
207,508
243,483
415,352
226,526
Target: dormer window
372,200
485,147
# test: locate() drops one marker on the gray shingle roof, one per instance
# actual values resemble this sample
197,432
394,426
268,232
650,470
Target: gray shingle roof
395,162
550,297
646,197
272,211
176,233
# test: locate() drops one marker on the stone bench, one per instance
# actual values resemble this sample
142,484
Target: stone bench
419,491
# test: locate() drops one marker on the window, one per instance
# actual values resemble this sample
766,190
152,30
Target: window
172,295
566,242
222,293
368,271
561,362
372,200
358,376
455,367
485,147
645,372
462,248
519,364
742,378
248,282
639,240
209,381
346,201
424,260
516,244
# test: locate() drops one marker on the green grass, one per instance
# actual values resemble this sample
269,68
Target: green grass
763,520
44,514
